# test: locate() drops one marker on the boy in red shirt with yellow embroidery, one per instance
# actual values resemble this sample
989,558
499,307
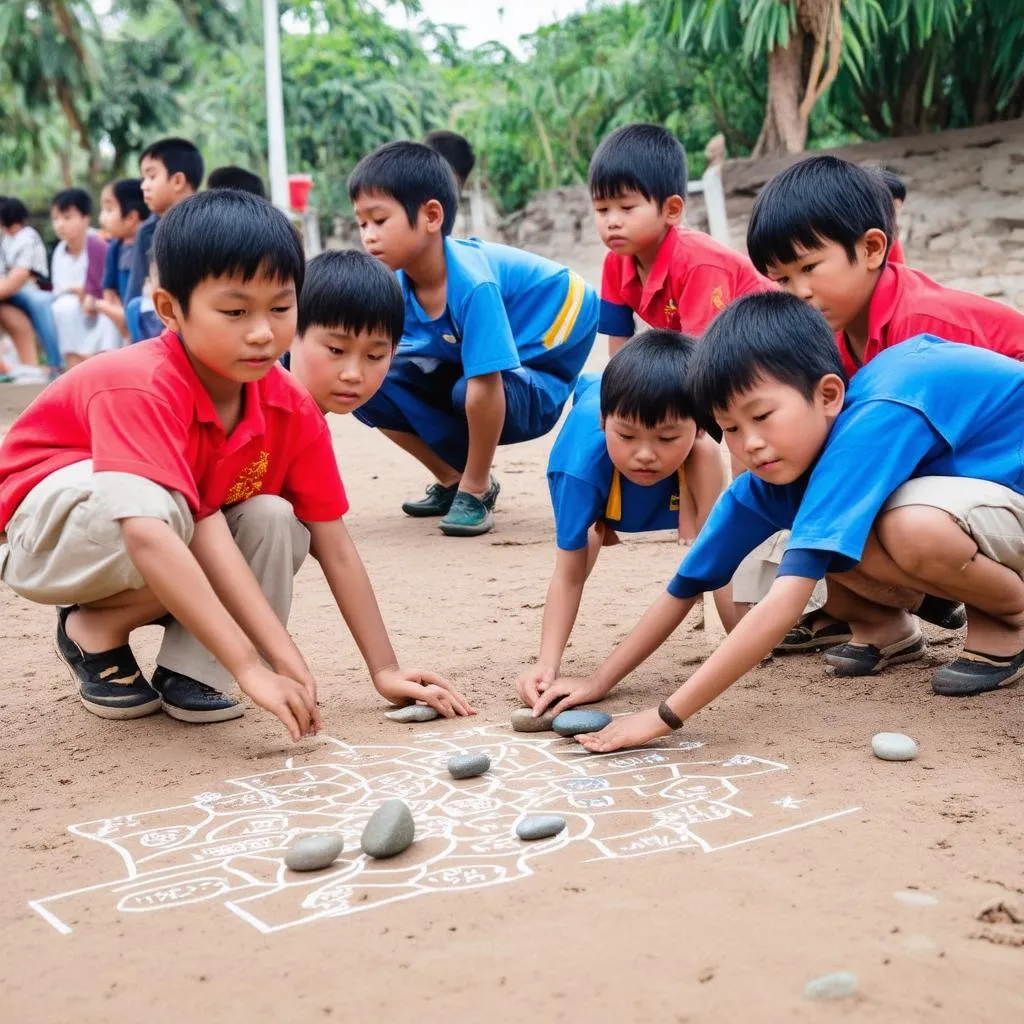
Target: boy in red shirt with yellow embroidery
189,475
670,276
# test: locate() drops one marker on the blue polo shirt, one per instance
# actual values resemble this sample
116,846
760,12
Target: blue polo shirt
926,407
586,488
118,267
506,308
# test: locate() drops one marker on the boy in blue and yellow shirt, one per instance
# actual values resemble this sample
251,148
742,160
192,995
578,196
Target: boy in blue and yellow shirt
494,339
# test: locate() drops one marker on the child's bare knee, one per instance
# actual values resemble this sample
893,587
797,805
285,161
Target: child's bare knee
915,536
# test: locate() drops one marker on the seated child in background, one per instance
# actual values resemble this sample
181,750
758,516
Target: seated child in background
670,276
122,211
456,150
908,481
237,177
898,191
494,337
189,474
77,265
632,458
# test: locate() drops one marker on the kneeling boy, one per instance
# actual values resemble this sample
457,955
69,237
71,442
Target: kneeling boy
629,458
912,478
494,340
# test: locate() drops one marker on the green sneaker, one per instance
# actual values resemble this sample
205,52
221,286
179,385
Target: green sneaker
468,516
491,497
437,502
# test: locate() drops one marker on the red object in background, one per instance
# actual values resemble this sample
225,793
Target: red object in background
299,187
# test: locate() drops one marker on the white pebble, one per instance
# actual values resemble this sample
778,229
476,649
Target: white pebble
832,986
894,746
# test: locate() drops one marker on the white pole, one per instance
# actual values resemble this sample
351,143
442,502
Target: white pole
277,157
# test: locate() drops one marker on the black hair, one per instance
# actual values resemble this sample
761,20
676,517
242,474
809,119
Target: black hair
237,177
646,379
771,335
13,211
128,193
411,174
177,156
644,158
894,183
353,291
222,233
455,148
821,199
73,199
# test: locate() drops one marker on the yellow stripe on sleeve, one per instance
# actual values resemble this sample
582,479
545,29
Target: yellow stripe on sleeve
564,323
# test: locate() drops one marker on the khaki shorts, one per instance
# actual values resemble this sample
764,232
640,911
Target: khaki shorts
990,514
64,543
756,573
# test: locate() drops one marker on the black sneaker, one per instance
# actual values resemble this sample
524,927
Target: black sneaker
110,684
437,501
189,700
940,612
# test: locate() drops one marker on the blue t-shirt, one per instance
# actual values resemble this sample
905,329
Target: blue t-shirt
586,488
506,308
139,267
118,266
927,407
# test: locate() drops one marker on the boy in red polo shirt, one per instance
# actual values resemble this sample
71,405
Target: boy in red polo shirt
189,474
668,275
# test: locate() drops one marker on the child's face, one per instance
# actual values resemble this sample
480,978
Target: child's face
385,231
342,370
236,329
775,432
647,455
630,224
70,226
825,278
111,219
161,190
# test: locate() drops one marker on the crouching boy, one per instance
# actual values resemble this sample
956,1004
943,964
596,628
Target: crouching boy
908,482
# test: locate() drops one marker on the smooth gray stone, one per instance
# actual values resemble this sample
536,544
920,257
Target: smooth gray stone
389,831
839,985
572,723
540,826
894,746
468,766
314,853
523,720
413,713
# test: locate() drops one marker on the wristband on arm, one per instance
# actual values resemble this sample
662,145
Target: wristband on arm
669,717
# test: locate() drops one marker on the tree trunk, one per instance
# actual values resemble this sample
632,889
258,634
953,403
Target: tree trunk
784,129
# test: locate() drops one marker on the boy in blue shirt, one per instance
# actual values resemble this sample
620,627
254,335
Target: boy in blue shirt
122,212
630,458
913,477
494,340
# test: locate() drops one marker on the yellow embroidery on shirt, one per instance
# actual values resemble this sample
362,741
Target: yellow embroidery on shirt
673,503
671,308
450,338
250,480
718,299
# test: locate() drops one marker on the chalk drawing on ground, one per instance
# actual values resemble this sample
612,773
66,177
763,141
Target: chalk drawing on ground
228,847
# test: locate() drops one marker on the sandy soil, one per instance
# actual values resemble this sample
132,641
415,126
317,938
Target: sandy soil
687,933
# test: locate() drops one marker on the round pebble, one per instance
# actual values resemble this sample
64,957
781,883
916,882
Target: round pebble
468,766
413,713
916,898
389,831
572,723
894,746
839,985
540,826
524,721
314,853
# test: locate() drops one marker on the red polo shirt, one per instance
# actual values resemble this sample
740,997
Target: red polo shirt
907,302
143,410
692,280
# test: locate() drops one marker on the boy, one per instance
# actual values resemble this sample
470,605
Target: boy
668,275
630,457
912,478
171,170
76,272
122,212
494,337
237,177
24,265
822,229
898,191
189,474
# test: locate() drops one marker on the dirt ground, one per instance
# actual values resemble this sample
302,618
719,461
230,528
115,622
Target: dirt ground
763,848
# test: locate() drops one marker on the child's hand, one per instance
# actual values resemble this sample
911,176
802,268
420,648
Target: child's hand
88,304
401,687
529,684
292,701
567,692
630,731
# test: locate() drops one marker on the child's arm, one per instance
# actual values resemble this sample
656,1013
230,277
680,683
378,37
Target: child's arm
346,575
110,306
615,342
754,637
193,594
485,417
